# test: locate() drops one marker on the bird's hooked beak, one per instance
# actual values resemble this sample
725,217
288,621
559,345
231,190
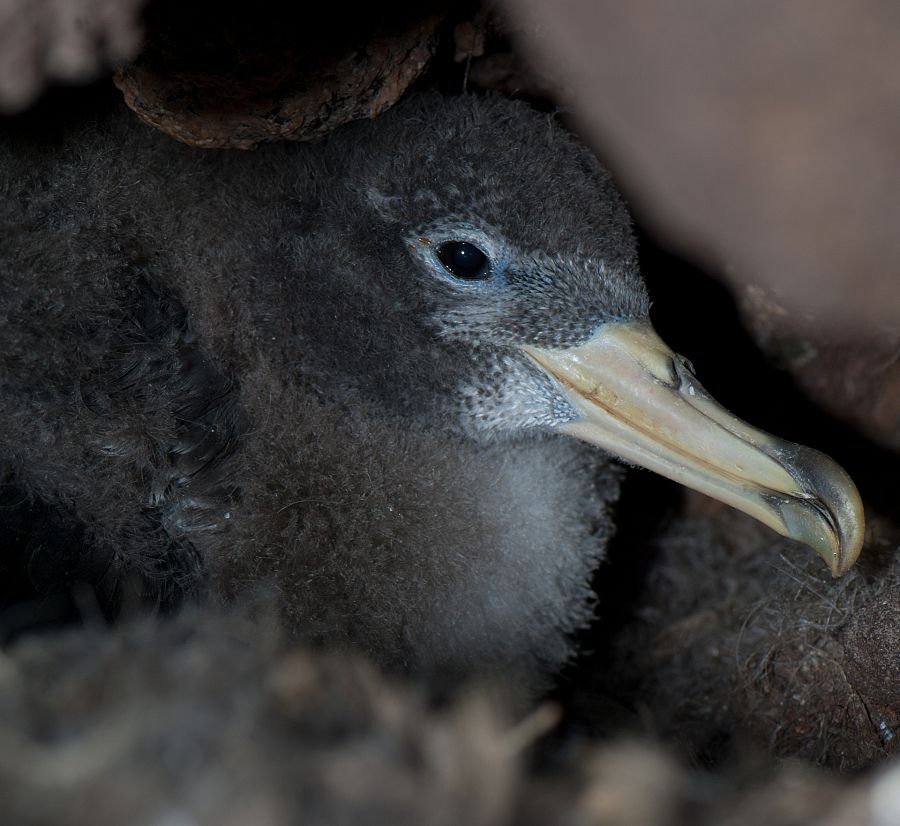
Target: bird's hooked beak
640,401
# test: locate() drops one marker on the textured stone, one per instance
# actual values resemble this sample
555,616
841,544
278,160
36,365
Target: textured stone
234,79
854,376
762,136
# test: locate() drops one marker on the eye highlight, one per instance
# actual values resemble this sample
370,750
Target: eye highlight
464,260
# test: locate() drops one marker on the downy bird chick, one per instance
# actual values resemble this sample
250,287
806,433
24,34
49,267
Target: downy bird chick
350,373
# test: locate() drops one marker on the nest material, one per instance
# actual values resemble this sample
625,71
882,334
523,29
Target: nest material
215,719
739,632
42,41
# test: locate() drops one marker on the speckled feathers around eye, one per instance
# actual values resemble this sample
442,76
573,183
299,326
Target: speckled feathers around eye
550,210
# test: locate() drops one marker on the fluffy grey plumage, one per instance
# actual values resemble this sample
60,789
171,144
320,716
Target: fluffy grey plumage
221,372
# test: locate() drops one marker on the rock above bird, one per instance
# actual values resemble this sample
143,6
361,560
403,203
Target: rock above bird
347,375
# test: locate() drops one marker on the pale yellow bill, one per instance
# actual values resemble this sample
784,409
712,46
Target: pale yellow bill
639,401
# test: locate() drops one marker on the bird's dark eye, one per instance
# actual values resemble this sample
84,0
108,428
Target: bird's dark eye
464,260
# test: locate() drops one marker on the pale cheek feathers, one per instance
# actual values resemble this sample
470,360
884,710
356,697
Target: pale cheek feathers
508,394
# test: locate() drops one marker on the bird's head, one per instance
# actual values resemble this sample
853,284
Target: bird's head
489,263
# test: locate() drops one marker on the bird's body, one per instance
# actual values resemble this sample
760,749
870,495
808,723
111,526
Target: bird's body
322,371
211,374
